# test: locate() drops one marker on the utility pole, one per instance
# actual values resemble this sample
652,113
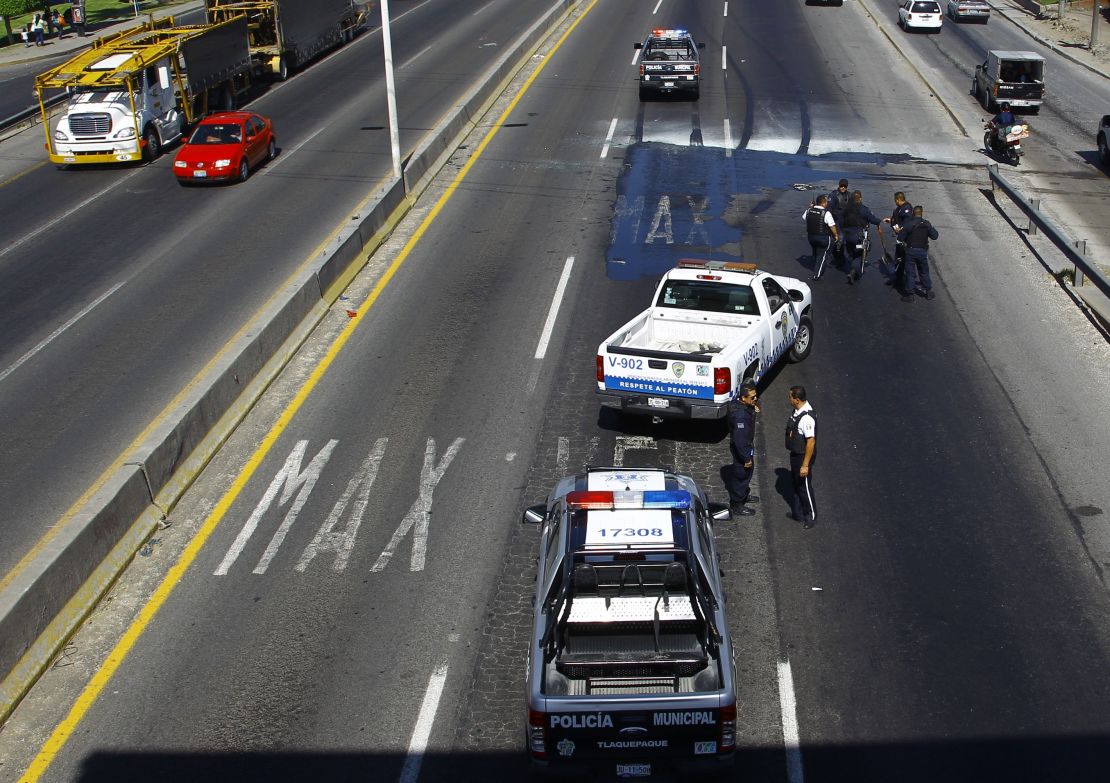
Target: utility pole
1096,12
390,92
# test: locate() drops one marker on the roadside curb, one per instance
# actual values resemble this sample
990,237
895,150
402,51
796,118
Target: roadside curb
47,602
1060,50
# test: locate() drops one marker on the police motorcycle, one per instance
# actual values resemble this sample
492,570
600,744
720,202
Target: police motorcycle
1004,141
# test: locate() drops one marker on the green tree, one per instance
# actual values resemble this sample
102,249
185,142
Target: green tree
10,8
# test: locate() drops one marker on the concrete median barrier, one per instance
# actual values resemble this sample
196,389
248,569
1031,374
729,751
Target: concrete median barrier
56,588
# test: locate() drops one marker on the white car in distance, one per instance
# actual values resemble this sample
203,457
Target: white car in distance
920,15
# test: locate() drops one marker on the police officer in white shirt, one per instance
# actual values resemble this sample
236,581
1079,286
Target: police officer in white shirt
822,232
801,442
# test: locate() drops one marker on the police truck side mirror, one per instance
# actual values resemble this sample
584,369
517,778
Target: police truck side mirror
638,45
701,45
796,295
720,512
534,515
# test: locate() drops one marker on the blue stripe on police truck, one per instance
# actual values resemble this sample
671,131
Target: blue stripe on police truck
647,386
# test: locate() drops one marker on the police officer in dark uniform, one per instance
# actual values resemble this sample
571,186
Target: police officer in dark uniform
741,426
822,232
903,211
838,202
916,233
857,217
801,442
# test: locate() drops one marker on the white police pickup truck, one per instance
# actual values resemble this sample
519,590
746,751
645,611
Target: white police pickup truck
630,668
712,326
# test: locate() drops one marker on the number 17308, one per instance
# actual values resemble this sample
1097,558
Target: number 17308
631,532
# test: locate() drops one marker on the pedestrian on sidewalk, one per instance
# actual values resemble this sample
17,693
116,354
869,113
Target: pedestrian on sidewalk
25,34
59,23
37,25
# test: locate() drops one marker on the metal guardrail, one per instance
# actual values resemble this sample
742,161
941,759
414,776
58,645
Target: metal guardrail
1031,207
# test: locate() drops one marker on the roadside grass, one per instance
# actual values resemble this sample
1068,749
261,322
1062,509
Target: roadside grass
97,14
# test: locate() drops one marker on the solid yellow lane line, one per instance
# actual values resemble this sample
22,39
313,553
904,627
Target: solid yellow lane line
116,657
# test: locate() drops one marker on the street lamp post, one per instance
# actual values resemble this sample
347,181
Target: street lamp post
390,92
1096,10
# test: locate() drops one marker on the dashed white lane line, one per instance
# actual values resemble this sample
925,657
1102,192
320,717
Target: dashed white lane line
609,138
49,338
635,56
412,59
65,215
418,745
728,139
790,741
726,9
656,9
553,312
483,8
724,58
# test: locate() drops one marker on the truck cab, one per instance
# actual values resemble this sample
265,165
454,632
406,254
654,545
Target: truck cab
120,122
1013,77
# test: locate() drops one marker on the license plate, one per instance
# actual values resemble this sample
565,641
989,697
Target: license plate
633,770
668,84
658,402
200,173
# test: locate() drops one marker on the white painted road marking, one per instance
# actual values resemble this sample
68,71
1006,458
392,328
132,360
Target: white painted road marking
418,745
342,543
293,480
724,58
609,138
412,59
553,311
726,9
790,740
78,207
656,9
50,337
728,139
418,516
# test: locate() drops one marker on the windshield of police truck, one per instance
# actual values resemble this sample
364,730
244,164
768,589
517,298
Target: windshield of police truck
710,296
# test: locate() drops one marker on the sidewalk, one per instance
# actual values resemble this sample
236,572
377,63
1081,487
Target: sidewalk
19,54
1069,35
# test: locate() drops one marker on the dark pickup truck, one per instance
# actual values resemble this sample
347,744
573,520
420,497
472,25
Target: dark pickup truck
669,63
1010,77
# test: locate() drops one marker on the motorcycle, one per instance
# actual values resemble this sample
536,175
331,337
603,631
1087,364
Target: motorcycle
1004,141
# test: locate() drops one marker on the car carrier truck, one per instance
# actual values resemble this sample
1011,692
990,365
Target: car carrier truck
136,91
285,34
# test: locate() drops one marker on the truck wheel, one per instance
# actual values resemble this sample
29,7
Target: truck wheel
283,69
227,99
803,342
643,94
153,147
1035,109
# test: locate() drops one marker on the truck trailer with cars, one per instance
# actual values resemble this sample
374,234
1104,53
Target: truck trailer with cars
134,92
286,34
630,664
711,326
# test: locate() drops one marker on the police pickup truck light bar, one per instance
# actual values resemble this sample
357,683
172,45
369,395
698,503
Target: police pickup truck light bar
675,33
604,500
728,266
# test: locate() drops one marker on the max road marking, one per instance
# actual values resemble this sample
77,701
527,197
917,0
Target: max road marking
297,485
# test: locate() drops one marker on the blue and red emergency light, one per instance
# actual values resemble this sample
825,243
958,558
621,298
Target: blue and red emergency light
607,500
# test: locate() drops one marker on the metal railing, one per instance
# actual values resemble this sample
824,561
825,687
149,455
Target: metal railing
1073,251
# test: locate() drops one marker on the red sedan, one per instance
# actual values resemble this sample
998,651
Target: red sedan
225,146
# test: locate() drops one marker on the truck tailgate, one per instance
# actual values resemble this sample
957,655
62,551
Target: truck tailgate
659,373
633,737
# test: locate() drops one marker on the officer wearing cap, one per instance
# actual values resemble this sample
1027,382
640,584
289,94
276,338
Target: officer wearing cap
916,233
741,426
822,232
838,202
801,442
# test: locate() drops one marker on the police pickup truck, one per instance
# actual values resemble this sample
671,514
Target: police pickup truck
669,62
712,326
630,670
